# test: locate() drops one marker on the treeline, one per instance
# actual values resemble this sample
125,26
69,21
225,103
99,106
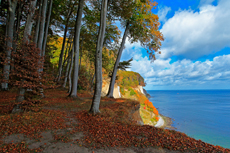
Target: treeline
30,28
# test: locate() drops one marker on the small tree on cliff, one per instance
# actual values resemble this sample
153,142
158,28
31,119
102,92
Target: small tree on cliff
141,26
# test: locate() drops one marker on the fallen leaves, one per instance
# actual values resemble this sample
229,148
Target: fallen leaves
99,132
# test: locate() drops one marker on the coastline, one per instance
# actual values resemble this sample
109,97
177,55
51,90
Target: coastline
167,123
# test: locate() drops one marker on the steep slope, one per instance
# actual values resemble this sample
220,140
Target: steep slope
130,85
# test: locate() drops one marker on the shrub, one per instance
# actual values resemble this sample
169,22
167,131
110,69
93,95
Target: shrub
122,90
132,92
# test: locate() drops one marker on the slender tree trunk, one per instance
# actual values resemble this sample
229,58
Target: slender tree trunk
112,81
66,58
40,39
67,70
76,48
27,33
9,40
70,70
62,50
98,60
38,23
47,27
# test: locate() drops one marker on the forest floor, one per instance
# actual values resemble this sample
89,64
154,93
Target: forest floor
58,124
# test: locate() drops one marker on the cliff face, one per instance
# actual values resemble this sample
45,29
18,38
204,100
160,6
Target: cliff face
131,87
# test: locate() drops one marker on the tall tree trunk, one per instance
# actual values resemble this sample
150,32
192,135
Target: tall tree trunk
71,69
81,54
98,60
112,81
38,23
40,38
62,50
9,40
27,33
76,48
46,29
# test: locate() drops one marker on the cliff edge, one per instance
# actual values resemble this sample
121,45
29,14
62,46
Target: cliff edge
129,85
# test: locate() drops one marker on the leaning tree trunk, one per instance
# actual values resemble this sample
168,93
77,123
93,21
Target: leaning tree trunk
27,33
98,60
9,40
62,50
38,23
112,81
40,39
76,48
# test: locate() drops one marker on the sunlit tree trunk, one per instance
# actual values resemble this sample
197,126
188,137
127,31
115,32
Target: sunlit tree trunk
98,60
76,48
112,81
9,40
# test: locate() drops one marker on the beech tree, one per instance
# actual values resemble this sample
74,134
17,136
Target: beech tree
9,41
98,61
73,92
26,41
141,25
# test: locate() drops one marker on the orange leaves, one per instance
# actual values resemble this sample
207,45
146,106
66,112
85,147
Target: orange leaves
150,106
31,124
17,147
157,118
99,132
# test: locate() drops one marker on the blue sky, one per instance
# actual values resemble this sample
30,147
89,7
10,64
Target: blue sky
196,50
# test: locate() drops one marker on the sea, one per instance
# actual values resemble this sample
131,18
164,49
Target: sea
201,114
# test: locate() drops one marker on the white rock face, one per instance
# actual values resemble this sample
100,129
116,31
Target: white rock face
141,89
119,93
116,91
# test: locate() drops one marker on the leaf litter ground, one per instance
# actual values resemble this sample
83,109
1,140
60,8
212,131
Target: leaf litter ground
58,123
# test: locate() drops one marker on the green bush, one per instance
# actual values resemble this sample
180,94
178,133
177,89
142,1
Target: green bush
132,92
122,91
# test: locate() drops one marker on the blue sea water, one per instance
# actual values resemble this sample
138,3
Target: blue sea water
201,114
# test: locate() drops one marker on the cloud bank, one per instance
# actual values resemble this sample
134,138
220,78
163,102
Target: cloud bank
184,72
193,34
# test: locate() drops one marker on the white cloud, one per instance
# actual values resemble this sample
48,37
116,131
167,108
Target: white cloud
194,34
184,72
162,13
